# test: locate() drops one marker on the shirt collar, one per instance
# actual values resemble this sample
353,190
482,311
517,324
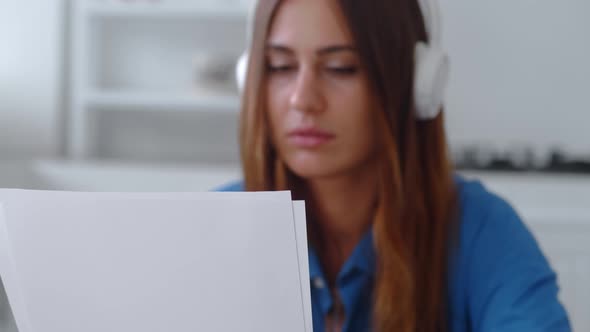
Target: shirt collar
362,259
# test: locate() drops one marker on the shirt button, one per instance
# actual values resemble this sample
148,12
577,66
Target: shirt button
319,283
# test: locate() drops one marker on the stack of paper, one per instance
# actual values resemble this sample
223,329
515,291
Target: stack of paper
139,262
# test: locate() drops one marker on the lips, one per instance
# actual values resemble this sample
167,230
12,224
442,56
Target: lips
310,137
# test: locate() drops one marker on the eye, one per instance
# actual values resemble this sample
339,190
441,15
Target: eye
343,70
280,68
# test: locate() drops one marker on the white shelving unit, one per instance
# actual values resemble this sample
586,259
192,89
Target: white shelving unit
150,58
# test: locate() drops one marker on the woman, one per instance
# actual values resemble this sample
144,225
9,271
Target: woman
397,242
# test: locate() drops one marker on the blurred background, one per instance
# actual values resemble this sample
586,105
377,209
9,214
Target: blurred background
139,95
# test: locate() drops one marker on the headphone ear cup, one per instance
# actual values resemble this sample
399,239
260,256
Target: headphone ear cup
242,71
431,78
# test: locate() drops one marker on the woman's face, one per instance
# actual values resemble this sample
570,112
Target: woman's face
318,96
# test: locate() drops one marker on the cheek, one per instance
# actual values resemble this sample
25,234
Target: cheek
357,115
276,115
360,140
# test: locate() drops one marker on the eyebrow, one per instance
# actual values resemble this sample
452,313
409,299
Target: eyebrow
323,51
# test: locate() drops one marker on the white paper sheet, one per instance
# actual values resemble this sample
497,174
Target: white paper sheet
146,251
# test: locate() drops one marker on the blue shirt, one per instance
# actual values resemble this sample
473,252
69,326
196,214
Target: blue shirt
499,280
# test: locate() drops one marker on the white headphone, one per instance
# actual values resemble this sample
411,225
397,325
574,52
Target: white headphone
432,71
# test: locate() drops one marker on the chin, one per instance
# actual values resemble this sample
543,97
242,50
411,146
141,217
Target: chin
310,167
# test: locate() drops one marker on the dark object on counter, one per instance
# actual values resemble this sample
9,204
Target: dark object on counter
559,163
473,158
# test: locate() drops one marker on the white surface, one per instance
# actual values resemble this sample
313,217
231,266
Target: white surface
76,289
86,176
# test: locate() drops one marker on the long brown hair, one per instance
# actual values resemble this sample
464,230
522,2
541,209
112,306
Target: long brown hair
414,220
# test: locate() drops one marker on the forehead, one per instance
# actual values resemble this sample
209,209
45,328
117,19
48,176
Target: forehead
308,25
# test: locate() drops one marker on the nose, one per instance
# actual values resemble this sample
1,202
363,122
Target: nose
306,95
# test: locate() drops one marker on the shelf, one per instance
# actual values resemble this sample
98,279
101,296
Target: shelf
136,59
123,101
198,9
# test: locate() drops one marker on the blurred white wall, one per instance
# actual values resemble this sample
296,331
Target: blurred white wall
30,75
521,72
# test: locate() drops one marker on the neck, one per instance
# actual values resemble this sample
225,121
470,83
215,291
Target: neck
343,207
